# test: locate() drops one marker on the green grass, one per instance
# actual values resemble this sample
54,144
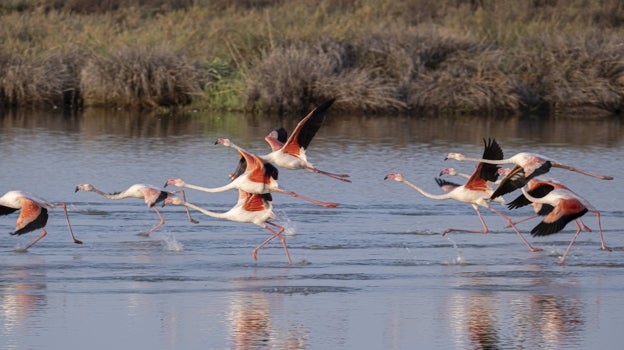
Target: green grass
539,57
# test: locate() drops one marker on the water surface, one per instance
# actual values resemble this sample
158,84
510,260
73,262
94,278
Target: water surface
373,273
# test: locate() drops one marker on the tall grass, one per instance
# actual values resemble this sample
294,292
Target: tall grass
458,56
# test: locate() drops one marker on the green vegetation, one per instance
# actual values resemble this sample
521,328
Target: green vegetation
535,57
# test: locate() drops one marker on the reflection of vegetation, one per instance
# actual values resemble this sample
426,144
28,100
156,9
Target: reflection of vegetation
483,56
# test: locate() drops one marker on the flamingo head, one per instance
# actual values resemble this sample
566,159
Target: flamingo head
457,156
173,200
394,176
224,142
448,171
175,182
84,187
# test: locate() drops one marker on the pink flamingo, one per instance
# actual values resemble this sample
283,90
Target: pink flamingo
291,153
253,175
526,167
475,191
567,206
151,194
539,188
33,214
250,207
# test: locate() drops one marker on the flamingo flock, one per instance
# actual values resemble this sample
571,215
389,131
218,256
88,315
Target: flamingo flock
554,201
255,180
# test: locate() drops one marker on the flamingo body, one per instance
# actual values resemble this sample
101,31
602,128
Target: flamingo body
151,195
33,213
290,153
567,206
250,208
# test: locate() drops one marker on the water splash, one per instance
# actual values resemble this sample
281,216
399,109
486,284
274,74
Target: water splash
459,258
171,244
290,229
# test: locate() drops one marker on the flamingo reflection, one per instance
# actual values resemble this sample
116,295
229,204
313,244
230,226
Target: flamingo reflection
252,322
489,315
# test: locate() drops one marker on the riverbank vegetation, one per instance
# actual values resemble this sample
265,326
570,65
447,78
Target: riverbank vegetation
538,57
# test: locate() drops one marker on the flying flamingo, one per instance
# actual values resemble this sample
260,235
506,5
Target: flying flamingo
33,214
253,175
538,187
151,195
253,208
291,153
568,206
526,167
453,172
475,191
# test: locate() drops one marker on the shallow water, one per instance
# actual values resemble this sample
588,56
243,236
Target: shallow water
373,273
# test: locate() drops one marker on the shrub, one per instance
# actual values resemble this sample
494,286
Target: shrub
140,78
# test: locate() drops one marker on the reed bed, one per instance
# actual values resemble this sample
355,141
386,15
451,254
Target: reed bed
538,57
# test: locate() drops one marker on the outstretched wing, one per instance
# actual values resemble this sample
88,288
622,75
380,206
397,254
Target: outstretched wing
306,129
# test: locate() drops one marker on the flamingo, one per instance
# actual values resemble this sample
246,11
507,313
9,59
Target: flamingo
475,191
291,153
526,166
151,195
453,172
33,214
250,207
568,206
253,175
539,188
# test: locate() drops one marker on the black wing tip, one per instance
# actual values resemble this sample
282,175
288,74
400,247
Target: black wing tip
441,182
545,228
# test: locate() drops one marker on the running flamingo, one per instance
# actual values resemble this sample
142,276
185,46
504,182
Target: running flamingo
33,214
538,187
250,207
475,191
253,175
291,153
151,195
526,167
568,206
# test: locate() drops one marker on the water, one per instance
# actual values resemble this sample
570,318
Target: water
373,273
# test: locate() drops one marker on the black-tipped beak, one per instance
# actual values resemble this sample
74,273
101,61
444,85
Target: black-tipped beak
77,189
216,142
386,177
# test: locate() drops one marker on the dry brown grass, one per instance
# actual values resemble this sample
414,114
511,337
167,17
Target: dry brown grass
140,78
46,81
424,56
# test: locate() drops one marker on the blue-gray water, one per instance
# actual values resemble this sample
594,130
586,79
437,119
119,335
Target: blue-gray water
374,273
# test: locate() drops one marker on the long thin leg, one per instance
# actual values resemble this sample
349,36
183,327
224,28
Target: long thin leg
254,253
565,254
602,243
71,232
341,177
188,212
296,195
485,228
43,233
511,224
522,220
567,167
162,222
